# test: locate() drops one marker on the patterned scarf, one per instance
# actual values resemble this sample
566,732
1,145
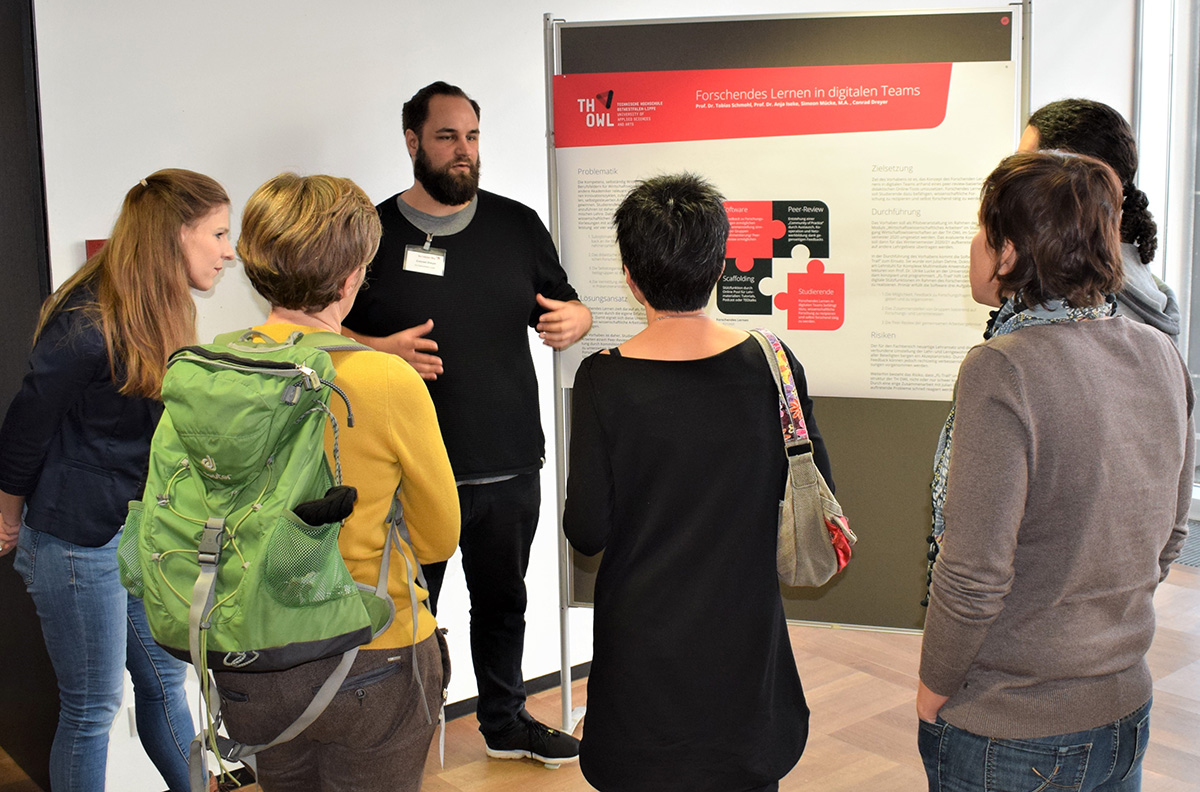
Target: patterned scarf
1010,317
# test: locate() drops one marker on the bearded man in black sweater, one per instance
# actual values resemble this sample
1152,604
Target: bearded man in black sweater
459,276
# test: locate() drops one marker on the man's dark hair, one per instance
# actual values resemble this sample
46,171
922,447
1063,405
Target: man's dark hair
1062,214
672,232
1095,129
416,109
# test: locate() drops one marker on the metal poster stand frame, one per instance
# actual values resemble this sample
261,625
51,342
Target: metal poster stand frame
918,421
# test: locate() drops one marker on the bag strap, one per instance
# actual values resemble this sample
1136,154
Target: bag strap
252,340
795,433
203,600
235,751
331,342
399,537
398,527
791,415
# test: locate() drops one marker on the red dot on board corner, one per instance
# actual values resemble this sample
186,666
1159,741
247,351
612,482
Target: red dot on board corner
744,264
1003,20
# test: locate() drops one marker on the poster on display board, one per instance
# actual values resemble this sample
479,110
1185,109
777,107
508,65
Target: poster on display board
850,150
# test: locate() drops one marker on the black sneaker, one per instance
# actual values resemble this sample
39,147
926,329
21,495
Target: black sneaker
527,738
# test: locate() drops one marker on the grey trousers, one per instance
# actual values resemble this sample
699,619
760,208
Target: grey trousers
373,736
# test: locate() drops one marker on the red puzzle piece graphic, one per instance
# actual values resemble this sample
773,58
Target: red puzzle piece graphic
814,300
752,231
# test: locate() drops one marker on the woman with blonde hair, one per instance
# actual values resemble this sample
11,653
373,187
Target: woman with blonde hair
73,452
305,243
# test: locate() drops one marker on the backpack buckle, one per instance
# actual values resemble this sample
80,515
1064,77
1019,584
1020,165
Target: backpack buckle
312,381
210,541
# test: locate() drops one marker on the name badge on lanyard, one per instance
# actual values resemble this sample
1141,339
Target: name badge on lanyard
431,261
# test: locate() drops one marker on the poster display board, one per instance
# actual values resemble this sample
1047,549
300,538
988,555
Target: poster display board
850,150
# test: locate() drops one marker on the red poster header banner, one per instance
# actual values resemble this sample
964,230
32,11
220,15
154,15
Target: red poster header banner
722,104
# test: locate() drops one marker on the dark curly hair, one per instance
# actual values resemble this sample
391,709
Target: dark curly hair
1095,129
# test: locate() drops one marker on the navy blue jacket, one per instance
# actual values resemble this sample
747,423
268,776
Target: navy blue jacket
70,443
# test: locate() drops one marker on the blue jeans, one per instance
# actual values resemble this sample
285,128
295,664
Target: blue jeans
1105,759
92,630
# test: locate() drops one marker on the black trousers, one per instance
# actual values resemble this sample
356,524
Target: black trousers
498,523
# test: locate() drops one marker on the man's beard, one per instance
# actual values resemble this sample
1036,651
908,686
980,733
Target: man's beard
446,187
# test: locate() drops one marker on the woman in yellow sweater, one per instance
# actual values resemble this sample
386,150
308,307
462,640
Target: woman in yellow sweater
305,243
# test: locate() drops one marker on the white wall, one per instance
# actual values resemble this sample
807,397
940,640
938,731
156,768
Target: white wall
243,89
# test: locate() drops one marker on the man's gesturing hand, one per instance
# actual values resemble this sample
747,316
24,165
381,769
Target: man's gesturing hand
564,322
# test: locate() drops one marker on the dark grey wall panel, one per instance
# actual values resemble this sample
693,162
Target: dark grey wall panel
28,691
882,455
801,41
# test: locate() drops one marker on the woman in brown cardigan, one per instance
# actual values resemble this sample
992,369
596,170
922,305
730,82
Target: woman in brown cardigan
1069,481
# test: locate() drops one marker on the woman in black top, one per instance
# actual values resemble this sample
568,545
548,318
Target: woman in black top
73,452
676,472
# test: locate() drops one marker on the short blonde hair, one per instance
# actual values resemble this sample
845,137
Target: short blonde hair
303,235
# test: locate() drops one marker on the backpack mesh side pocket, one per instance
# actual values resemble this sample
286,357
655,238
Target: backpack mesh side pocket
127,552
304,565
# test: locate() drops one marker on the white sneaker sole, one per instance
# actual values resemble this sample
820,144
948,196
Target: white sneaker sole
549,761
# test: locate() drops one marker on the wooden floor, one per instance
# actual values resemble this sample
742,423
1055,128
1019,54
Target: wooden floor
860,687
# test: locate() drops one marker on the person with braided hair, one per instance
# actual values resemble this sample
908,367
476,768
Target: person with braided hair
1083,126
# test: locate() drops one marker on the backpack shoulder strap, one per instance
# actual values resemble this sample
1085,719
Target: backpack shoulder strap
252,340
397,538
331,342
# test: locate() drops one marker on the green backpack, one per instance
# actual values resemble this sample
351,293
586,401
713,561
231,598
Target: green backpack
232,578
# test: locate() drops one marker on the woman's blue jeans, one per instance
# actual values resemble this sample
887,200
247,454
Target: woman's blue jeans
92,631
1105,759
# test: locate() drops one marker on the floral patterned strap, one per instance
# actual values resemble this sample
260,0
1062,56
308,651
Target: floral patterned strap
791,416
